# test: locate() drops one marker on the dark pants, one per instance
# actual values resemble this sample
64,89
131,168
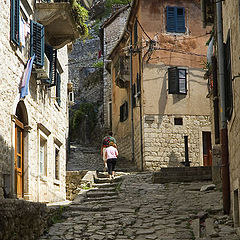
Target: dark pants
111,162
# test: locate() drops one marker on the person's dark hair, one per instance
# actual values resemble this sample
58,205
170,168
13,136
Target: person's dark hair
110,133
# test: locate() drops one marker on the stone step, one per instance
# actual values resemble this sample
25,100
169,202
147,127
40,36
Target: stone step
98,199
105,185
107,180
97,194
93,208
109,189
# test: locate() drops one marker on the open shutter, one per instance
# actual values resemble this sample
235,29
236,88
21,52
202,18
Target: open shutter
134,95
171,19
37,43
58,88
135,32
15,21
228,79
173,83
138,84
125,111
180,23
52,57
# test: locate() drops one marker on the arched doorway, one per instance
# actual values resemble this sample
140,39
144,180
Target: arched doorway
20,122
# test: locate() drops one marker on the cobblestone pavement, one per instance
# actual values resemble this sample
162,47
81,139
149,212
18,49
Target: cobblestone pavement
84,158
143,210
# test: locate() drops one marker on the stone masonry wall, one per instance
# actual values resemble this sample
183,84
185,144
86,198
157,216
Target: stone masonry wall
24,220
112,33
164,141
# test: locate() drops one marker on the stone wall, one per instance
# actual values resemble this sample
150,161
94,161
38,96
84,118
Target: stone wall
112,33
24,220
164,141
39,108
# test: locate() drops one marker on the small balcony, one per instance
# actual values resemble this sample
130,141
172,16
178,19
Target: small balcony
57,18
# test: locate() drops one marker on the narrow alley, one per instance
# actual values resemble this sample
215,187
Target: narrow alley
132,207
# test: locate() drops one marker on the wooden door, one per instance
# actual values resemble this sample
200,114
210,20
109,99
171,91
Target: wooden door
19,158
207,149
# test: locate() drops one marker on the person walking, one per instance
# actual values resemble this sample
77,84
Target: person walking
111,155
105,144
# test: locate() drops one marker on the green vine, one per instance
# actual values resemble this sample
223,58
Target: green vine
80,15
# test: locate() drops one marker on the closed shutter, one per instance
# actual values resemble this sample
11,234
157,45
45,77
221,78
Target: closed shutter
180,23
228,79
173,83
15,21
171,19
58,88
37,43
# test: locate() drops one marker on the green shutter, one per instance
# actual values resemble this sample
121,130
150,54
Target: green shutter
228,79
52,57
173,83
15,21
180,21
58,88
37,43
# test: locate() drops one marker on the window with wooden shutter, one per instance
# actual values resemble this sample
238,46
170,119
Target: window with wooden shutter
228,78
37,43
175,19
177,81
15,21
58,88
135,33
52,57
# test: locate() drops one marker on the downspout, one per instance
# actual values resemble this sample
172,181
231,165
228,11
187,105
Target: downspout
131,98
223,126
140,109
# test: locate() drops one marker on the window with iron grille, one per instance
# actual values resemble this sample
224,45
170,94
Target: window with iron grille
177,80
124,112
175,19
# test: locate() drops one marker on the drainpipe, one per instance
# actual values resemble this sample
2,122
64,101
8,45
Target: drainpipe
131,97
223,127
140,110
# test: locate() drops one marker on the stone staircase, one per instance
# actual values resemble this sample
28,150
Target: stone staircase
99,198
182,174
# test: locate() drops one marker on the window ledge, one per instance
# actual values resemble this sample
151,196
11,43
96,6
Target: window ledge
56,182
43,178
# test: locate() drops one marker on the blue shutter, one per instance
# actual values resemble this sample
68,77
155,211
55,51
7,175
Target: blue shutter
37,43
171,19
180,21
15,21
58,88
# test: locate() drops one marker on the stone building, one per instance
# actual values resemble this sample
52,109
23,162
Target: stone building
161,116
34,98
110,33
224,76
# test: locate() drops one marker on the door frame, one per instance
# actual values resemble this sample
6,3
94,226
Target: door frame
19,170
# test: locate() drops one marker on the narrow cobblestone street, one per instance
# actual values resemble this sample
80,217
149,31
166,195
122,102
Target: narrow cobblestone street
132,207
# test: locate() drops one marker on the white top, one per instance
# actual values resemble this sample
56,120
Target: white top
112,152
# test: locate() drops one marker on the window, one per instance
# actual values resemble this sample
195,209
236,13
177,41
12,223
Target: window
175,19
15,17
228,78
177,81
138,84
124,112
43,157
57,158
37,42
58,88
178,121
